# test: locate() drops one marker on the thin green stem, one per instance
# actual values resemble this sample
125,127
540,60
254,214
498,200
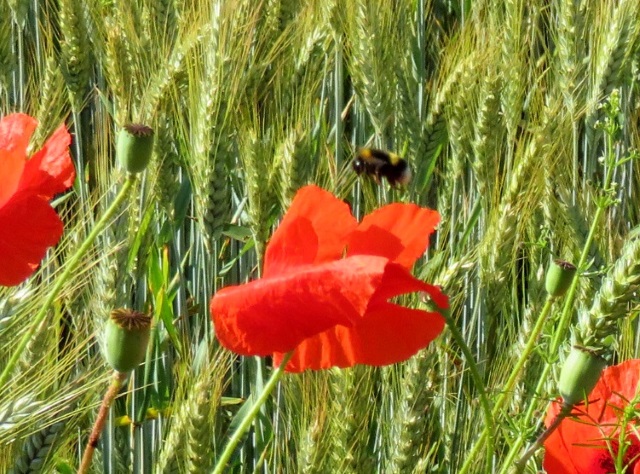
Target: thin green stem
117,380
602,205
565,319
524,357
567,310
508,386
522,462
251,415
69,268
477,379
338,123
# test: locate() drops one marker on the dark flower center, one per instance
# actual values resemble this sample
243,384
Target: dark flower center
606,460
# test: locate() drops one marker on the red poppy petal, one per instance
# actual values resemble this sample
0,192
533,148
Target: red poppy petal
617,385
387,335
330,220
398,281
11,167
28,227
576,446
275,314
15,133
557,458
564,458
50,170
397,231
299,248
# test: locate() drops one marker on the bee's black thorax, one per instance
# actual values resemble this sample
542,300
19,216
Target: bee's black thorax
378,163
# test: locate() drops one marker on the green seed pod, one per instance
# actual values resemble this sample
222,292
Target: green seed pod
127,336
134,147
559,277
579,374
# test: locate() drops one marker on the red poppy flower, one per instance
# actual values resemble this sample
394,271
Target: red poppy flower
28,223
326,285
587,442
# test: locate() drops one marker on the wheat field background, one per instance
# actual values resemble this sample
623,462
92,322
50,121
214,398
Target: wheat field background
519,120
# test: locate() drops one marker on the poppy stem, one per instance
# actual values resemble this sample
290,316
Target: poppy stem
523,358
507,390
568,308
251,415
561,326
117,380
562,414
69,267
477,380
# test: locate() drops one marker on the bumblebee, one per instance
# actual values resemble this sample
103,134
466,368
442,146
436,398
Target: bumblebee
377,163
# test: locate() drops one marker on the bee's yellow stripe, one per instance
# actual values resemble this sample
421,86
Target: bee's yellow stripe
394,159
365,153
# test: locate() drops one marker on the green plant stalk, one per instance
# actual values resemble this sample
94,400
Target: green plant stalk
477,379
511,456
623,432
522,462
528,349
69,268
514,374
338,123
565,319
117,380
148,368
251,415
21,63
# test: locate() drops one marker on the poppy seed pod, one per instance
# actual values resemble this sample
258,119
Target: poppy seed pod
559,277
127,335
134,147
579,374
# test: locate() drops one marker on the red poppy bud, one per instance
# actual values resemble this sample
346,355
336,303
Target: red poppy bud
135,144
579,374
559,277
127,336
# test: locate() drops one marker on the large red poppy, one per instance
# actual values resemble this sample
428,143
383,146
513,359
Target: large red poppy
28,223
326,287
587,442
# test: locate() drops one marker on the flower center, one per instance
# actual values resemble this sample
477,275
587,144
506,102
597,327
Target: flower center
631,457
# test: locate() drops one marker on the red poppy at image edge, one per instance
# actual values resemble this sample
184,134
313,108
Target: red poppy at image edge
579,444
326,286
28,223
